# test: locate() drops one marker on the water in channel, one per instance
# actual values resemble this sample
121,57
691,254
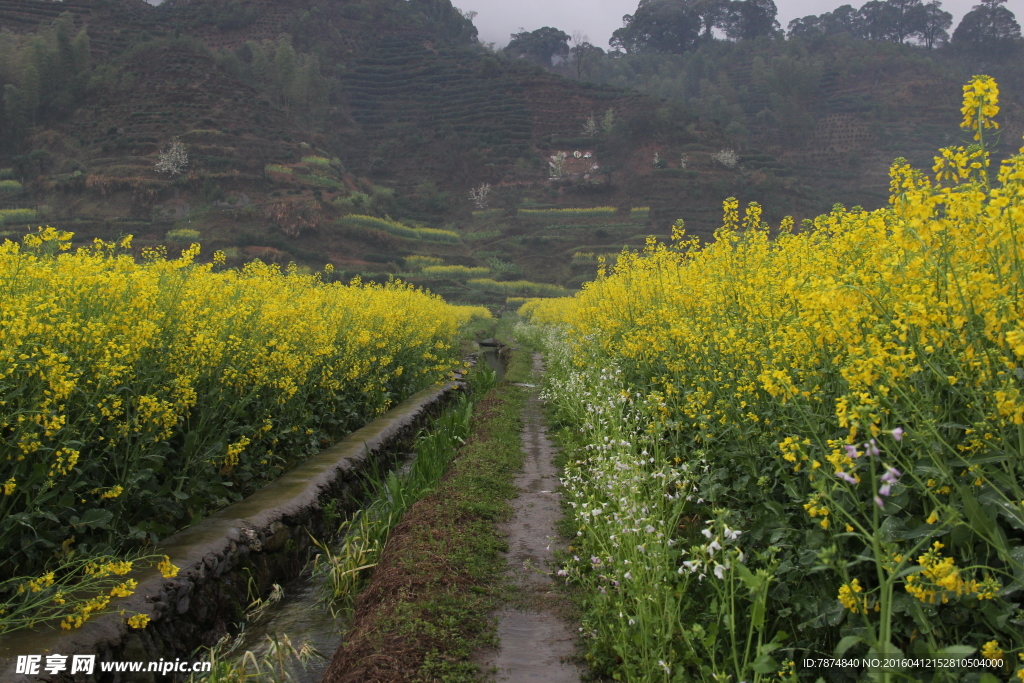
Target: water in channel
302,617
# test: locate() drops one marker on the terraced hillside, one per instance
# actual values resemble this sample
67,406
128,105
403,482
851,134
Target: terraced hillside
296,116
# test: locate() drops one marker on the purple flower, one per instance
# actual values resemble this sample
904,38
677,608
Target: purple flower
846,477
891,475
885,490
851,451
879,502
898,433
871,448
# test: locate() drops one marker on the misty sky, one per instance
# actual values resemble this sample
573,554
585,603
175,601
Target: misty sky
496,19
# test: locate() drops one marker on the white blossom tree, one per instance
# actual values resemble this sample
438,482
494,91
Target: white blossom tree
478,195
174,159
727,158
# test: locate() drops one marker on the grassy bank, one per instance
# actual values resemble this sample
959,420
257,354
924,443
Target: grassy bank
427,607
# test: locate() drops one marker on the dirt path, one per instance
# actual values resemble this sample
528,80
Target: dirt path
536,644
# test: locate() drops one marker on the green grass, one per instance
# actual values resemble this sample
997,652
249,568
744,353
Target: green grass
10,187
400,229
518,287
455,271
418,261
592,226
594,212
319,180
182,235
481,235
428,607
15,216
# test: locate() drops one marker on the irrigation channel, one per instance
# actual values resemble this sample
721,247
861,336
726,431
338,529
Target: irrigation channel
300,613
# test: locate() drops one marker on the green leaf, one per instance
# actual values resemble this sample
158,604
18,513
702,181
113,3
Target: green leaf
765,664
958,650
757,613
749,579
94,518
982,523
711,637
846,643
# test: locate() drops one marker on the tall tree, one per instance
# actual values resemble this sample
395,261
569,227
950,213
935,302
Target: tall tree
284,68
935,26
875,20
905,18
843,19
805,27
540,46
583,55
16,113
659,26
712,14
988,27
448,21
750,19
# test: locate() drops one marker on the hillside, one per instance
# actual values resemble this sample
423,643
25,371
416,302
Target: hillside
297,115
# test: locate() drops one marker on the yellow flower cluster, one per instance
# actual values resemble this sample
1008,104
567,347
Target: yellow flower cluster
139,621
167,570
115,567
849,596
940,579
878,304
981,105
38,584
123,590
116,361
816,508
880,352
84,611
991,650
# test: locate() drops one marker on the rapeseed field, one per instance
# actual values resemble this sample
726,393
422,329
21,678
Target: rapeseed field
136,397
807,442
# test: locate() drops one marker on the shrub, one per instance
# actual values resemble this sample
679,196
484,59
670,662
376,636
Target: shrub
10,187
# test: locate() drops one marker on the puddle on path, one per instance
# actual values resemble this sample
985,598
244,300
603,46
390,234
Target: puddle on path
536,645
